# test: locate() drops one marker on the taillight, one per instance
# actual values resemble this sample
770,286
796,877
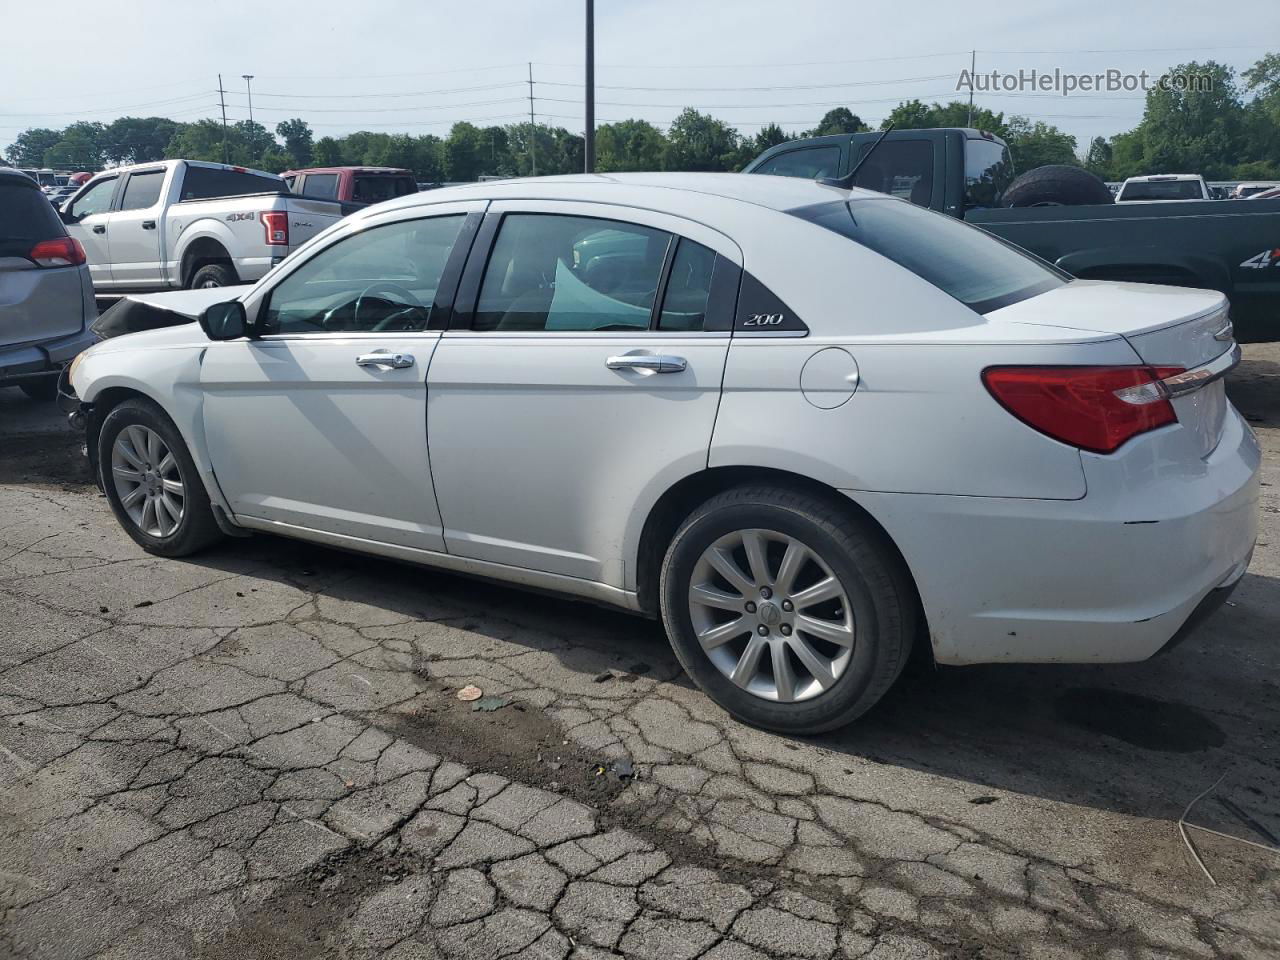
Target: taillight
1095,408
59,252
275,223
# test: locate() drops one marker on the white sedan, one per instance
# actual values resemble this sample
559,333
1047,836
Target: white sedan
804,426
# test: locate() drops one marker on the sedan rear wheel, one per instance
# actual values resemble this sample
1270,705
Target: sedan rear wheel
789,610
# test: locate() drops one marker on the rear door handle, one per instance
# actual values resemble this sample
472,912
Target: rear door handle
98,228
647,361
390,361
148,224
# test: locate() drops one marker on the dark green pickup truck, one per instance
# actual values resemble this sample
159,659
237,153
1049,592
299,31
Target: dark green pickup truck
1227,245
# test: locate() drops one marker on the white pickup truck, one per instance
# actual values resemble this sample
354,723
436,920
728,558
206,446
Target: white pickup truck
184,223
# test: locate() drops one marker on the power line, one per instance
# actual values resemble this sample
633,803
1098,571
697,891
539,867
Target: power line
741,89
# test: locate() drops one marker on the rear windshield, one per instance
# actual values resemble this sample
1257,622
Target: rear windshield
206,183
981,271
374,189
26,217
1162,190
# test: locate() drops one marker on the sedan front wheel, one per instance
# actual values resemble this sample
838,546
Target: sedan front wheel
788,610
151,481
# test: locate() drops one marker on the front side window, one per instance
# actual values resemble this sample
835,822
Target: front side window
552,272
809,163
97,199
969,264
988,170
900,168
142,190
381,280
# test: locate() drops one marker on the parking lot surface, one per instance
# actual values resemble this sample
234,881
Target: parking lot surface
261,752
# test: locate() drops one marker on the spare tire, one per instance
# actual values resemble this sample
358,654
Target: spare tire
1056,185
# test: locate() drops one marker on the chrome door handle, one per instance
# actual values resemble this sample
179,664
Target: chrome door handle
647,361
390,361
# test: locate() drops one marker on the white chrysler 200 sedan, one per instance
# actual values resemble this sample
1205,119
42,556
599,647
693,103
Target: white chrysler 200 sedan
803,425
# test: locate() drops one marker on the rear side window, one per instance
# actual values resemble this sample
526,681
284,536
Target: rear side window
378,188
969,264
552,272
900,168
26,217
809,163
322,186
208,183
684,305
142,190
988,169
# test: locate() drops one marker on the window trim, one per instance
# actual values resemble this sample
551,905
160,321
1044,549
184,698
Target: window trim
465,236
462,319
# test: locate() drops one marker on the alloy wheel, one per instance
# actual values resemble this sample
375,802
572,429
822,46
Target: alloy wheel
148,481
771,615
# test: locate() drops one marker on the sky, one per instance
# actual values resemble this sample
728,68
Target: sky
418,66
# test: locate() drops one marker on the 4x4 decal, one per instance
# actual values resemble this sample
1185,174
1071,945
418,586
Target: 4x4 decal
1267,258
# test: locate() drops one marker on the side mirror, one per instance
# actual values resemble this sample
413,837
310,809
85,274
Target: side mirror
66,216
224,321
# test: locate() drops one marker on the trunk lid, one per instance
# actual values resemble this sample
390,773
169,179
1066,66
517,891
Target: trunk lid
1165,326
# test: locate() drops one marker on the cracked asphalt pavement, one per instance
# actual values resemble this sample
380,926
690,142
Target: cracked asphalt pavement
259,752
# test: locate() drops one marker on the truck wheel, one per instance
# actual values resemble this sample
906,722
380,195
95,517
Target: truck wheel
46,388
792,614
152,483
213,275
1057,185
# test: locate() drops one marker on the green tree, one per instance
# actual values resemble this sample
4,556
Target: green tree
1098,160
839,120
1193,131
80,147
697,141
464,152
297,140
914,115
137,139
29,148
1037,144
629,145
770,135
327,152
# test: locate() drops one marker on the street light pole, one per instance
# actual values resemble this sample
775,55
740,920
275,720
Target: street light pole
589,153
249,88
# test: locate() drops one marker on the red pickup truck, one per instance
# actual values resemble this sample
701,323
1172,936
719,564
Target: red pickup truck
351,185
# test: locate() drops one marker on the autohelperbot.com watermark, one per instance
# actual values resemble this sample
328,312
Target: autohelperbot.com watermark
1065,83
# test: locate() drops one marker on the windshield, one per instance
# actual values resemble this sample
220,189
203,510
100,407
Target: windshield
1162,190
981,271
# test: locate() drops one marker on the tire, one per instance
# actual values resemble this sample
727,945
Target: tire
876,607
1057,185
45,389
196,527
213,275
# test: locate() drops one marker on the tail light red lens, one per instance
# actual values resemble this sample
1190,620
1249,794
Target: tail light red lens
58,252
1094,408
275,224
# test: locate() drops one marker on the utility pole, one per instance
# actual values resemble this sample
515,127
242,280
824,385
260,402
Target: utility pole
249,88
533,131
222,99
973,66
589,138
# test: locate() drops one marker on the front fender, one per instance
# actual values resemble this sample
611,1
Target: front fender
170,378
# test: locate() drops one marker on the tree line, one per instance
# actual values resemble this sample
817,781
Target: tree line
1230,131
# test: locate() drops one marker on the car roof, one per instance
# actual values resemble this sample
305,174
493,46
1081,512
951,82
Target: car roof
658,191
12,173
353,169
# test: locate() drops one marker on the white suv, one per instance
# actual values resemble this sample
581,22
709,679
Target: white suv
804,425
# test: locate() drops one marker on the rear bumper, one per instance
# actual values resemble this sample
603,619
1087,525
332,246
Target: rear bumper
43,357
1112,577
